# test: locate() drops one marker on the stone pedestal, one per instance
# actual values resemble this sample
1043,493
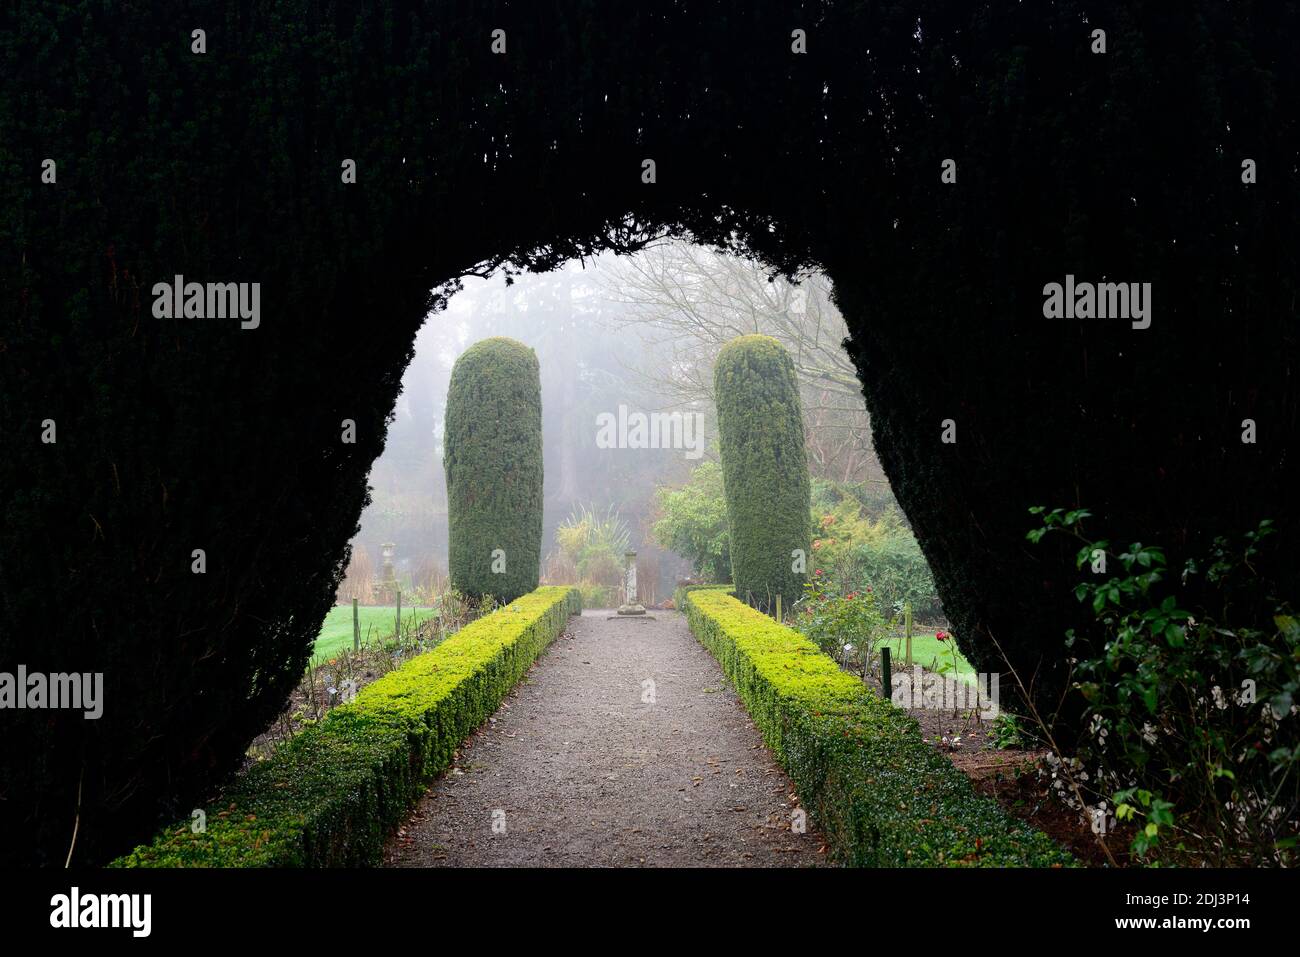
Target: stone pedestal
631,608
387,586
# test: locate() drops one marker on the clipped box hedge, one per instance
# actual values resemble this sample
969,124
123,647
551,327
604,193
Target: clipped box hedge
883,796
331,794
681,591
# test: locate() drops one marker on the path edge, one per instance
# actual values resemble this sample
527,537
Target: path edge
330,796
882,796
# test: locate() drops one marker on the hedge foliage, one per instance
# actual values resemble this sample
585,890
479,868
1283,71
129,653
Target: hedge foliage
177,435
764,468
493,458
883,797
331,794
681,591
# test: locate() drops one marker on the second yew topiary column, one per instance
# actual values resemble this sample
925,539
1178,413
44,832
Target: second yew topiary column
493,457
764,470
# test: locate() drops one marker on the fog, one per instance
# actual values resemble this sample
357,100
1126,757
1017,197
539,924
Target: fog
622,342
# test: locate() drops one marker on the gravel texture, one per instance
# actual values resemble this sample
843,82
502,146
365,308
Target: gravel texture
578,768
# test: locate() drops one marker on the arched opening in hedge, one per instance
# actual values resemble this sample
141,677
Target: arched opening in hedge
182,436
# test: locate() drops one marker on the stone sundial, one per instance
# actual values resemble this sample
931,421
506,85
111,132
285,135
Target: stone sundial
631,608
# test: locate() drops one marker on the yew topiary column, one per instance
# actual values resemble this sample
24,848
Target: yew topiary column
764,469
493,457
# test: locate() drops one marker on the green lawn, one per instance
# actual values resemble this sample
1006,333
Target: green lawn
378,621
925,648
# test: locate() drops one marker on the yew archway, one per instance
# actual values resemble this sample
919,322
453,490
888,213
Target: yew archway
176,435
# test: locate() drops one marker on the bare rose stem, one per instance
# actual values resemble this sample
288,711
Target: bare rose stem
76,824
1051,741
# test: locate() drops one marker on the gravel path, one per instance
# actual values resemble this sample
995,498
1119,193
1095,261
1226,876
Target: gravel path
579,768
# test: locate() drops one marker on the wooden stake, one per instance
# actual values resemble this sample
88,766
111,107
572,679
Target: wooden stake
907,625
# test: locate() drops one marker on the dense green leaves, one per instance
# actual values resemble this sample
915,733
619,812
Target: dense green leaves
883,796
1190,734
332,793
494,470
765,470
693,523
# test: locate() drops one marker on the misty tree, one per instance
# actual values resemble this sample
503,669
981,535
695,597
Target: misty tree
764,472
563,318
685,302
494,470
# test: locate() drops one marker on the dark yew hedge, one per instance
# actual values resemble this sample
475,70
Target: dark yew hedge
175,435
764,470
493,457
